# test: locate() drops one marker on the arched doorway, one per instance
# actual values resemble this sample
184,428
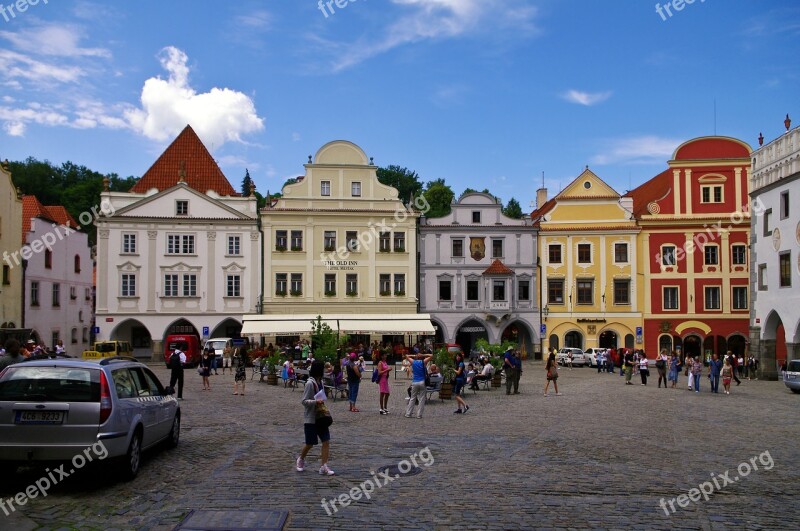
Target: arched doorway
439,332
518,333
629,341
469,333
227,328
737,344
665,343
692,346
553,342
137,335
608,339
573,339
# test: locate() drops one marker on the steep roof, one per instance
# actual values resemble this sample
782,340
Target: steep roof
60,215
32,208
188,156
498,268
656,189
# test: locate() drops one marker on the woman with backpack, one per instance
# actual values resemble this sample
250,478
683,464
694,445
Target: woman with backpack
383,382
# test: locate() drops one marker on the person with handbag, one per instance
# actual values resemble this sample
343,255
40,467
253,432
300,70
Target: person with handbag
644,370
316,421
551,367
205,370
674,369
661,367
353,381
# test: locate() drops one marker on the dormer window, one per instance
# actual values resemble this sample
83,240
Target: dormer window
476,217
325,188
712,194
181,207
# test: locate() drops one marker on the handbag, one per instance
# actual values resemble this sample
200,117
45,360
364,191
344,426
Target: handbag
323,418
659,364
200,370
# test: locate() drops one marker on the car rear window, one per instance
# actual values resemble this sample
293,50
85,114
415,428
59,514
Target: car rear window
794,366
181,345
50,384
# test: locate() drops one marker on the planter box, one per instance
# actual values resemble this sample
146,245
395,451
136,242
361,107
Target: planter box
446,391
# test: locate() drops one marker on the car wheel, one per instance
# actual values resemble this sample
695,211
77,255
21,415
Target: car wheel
175,432
796,391
7,468
133,458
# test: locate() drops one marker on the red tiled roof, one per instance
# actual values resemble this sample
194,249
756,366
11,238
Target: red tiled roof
498,268
202,171
60,215
32,208
650,191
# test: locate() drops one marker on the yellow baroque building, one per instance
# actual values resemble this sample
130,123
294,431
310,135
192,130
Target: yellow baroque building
588,250
340,244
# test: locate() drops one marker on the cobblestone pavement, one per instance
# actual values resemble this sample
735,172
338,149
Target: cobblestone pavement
602,455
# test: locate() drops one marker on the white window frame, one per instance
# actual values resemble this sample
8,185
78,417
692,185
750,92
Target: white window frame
128,243
664,306
325,188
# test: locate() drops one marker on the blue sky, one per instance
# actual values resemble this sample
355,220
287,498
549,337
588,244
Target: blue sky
482,93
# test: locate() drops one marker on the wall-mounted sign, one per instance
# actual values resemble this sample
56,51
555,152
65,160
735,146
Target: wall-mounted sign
340,265
473,329
477,247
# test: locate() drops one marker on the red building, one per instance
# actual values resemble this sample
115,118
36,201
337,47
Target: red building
695,220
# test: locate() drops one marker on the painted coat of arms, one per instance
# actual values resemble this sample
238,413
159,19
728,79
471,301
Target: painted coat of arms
477,247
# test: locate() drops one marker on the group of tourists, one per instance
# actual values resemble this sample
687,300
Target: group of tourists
235,359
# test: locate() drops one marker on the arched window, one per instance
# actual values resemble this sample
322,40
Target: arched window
74,335
48,259
77,263
665,342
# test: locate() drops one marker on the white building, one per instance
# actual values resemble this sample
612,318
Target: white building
775,237
179,254
58,277
478,275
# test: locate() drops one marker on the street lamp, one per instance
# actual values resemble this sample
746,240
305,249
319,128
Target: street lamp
546,312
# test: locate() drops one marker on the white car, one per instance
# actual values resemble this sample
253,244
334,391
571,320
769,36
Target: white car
591,355
578,358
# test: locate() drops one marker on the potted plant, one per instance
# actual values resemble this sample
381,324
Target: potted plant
296,249
280,248
330,293
385,293
352,294
400,293
273,362
295,293
444,360
497,363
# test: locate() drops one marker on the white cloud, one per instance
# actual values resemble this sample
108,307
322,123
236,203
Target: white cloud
296,137
18,66
218,116
258,20
55,40
14,128
637,150
435,19
586,98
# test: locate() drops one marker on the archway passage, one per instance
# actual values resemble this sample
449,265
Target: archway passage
553,342
692,346
629,341
137,335
665,343
737,344
573,339
227,328
469,333
518,333
439,333
608,339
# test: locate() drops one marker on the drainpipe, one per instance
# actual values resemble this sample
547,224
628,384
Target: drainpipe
541,338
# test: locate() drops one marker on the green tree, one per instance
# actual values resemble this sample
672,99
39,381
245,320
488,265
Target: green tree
513,209
440,197
246,182
325,341
404,180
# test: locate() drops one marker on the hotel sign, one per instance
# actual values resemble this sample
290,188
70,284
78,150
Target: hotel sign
340,265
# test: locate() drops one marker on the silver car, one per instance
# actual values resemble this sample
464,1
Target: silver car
52,410
791,376
578,358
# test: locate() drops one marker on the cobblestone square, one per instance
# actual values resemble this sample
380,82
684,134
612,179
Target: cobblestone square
602,456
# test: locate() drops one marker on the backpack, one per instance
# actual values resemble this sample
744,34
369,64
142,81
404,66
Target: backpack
175,361
376,375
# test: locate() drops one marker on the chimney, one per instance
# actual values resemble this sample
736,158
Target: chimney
541,197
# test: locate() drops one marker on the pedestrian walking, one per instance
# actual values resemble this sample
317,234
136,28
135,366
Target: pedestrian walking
661,367
227,358
509,367
727,371
461,380
733,361
551,368
674,368
383,381
353,381
205,370
714,370
569,359
176,362
644,370
315,432
688,370
697,371
418,363
240,377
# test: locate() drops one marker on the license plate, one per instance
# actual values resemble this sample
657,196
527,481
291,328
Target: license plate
39,417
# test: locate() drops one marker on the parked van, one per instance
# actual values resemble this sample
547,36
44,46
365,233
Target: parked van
189,344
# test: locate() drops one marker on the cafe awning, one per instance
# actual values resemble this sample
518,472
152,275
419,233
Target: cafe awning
347,324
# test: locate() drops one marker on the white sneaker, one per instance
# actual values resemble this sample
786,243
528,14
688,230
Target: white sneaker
325,471
300,465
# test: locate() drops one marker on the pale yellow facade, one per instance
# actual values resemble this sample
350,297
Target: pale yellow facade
10,249
339,242
588,248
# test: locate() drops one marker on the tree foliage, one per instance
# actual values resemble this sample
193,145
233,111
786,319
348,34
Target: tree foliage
325,341
246,182
440,198
513,209
404,180
75,187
